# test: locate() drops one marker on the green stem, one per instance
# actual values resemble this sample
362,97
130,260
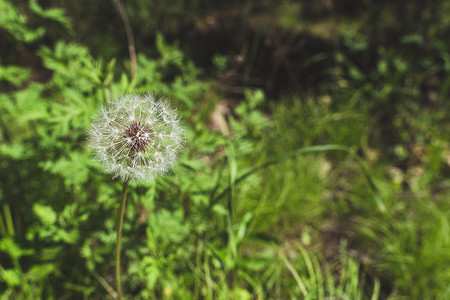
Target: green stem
123,200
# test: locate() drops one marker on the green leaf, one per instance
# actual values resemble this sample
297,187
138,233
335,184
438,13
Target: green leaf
14,151
14,74
11,277
15,23
45,214
70,237
168,226
74,169
240,294
220,210
55,14
8,245
40,272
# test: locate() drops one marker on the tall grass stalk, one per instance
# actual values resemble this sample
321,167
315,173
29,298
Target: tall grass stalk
123,201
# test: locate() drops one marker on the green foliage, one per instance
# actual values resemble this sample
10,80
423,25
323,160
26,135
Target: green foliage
15,23
340,191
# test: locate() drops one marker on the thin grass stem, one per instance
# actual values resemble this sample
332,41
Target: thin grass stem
130,37
123,200
294,273
8,219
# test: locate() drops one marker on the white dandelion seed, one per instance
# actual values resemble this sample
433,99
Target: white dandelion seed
136,137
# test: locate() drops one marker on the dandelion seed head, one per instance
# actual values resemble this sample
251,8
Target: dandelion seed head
136,137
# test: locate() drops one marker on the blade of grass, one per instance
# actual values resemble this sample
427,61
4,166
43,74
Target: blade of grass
8,219
320,279
108,288
209,281
376,289
253,283
232,242
294,273
233,172
309,266
3,231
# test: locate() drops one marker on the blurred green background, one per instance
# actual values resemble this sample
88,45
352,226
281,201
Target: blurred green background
246,214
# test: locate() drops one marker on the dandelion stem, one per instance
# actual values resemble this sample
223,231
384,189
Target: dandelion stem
123,200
